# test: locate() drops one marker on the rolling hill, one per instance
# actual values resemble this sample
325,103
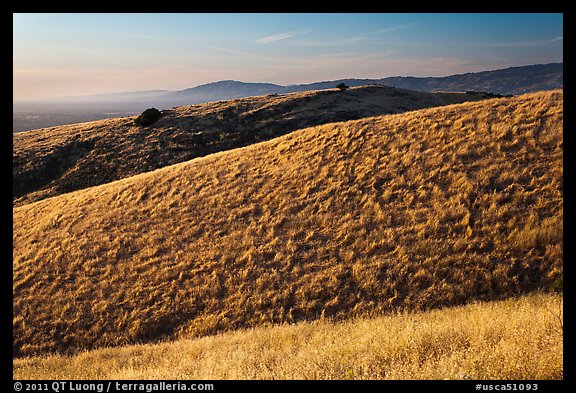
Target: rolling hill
413,211
56,160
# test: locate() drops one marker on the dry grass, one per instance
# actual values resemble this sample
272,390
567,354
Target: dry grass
421,210
56,160
512,339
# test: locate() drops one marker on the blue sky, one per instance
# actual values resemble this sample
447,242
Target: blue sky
70,54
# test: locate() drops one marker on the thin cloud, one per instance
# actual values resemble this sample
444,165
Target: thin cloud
397,27
279,37
523,43
317,43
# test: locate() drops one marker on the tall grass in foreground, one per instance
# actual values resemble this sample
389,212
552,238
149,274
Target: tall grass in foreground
514,339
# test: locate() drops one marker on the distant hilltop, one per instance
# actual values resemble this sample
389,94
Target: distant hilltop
514,80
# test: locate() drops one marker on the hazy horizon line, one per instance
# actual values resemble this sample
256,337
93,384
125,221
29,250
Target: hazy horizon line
168,91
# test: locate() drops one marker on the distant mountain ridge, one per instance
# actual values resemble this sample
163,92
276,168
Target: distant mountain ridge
513,80
224,90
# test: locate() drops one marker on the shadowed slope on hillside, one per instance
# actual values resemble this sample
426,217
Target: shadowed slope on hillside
57,160
419,210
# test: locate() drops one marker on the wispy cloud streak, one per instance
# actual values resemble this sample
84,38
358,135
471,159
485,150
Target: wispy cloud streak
523,43
397,27
318,43
280,37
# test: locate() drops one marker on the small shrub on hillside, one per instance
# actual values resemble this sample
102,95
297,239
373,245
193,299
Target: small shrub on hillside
342,86
557,285
148,117
487,94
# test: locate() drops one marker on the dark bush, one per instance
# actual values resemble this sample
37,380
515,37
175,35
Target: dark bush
558,285
149,116
342,86
487,94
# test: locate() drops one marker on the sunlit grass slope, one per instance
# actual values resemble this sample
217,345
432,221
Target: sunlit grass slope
57,160
420,210
512,339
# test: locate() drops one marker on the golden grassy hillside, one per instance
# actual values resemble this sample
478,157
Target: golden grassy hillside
516,339
420,210
56,160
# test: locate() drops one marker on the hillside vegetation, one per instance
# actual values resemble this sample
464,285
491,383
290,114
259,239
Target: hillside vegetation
414,211
57,160
517,339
